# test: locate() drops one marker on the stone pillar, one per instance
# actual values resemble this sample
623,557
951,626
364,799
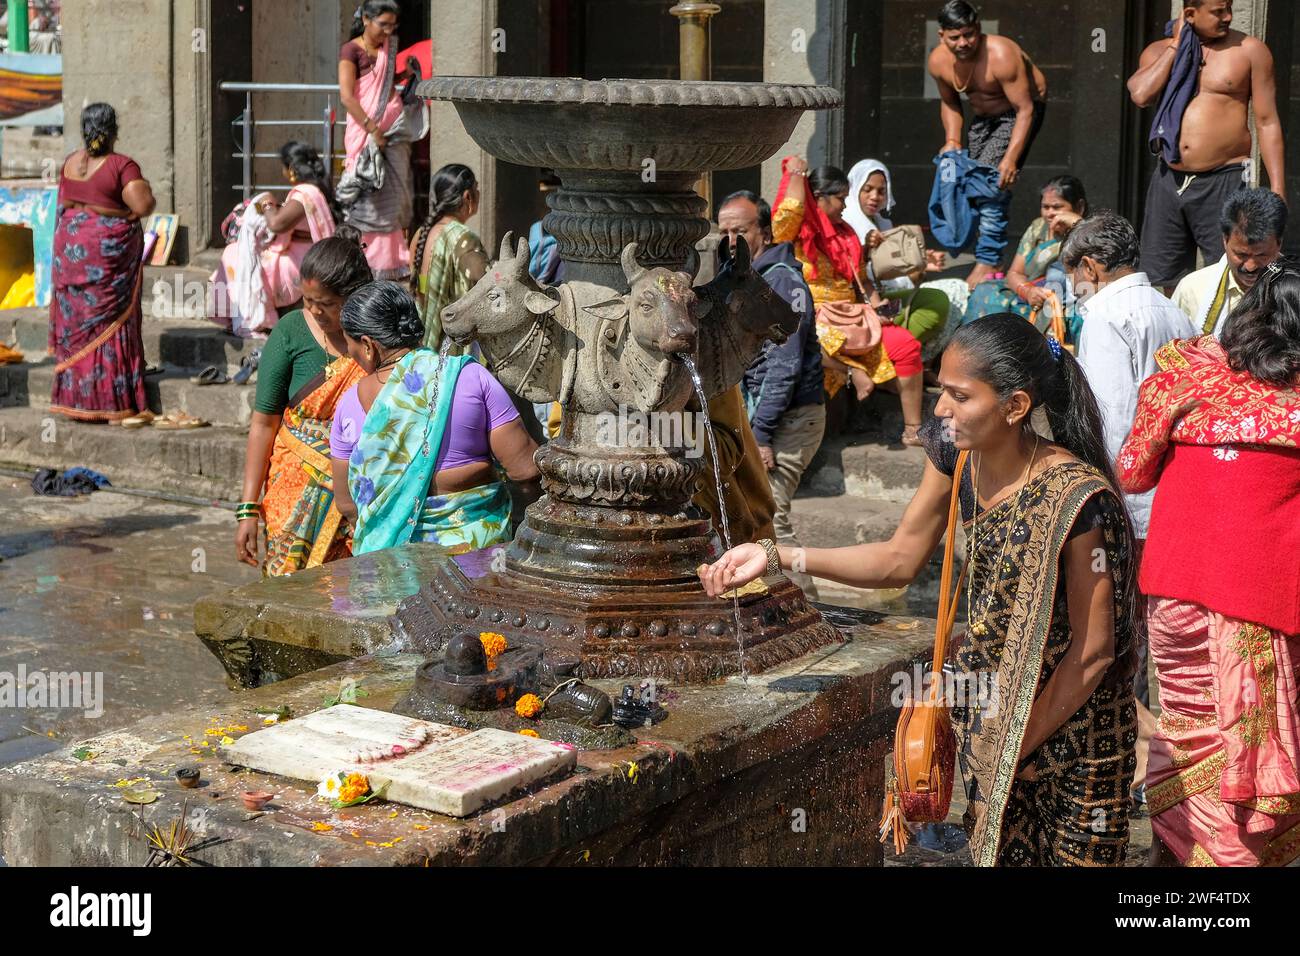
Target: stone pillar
463,47
804,43
120,52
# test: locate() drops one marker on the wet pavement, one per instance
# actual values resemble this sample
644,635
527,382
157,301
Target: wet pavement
105,585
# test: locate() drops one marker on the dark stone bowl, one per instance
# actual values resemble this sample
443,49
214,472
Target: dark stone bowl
615,125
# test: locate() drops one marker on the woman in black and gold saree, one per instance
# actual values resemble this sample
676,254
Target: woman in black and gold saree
1052,613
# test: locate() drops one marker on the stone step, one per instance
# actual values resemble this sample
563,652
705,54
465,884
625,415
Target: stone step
182,344
854,464
31,384
203,462
847,520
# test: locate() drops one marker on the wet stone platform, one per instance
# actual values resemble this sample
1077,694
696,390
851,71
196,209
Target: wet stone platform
786,768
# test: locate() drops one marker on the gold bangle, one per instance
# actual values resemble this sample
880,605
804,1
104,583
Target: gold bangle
773,556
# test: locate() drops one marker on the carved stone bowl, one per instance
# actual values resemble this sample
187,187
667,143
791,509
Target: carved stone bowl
616,125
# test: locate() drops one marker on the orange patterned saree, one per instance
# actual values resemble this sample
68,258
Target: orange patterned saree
303,528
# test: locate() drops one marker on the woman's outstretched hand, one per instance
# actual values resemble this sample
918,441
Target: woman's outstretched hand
736,568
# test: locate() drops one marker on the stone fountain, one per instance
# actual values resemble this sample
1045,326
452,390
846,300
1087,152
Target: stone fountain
602,574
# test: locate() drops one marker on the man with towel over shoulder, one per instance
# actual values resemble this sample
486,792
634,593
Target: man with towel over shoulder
1205,76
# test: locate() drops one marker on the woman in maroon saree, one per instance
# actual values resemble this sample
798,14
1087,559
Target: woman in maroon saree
98,245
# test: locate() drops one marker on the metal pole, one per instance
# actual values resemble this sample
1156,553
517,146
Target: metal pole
18,41
327,147
248,145
696,57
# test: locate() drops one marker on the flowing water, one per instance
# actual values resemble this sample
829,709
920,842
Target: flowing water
722,508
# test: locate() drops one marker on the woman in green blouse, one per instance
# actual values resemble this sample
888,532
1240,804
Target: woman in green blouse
304,371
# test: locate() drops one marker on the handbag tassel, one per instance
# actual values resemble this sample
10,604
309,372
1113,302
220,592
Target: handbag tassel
892,822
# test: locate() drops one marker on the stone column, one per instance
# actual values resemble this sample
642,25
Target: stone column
120,52
463,47
804,43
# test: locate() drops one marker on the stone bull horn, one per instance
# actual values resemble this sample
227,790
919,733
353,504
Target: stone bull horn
631,269
513,259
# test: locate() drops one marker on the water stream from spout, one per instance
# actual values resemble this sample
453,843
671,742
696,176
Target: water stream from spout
722,506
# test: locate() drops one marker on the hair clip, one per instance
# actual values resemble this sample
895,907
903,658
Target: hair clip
1054,347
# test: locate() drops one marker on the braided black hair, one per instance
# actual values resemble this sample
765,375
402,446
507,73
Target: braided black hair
98,131
307,167
450,186
385,312
338,263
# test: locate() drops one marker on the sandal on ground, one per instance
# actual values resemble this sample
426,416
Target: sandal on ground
210,376
135,421
152,370
247,367
177,420
911,436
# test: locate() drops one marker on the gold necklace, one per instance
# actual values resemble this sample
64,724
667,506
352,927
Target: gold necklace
966,85
978,625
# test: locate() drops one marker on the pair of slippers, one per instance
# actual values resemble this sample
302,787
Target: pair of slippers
171,421
212,375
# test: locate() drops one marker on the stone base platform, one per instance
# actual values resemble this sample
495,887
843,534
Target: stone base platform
784,769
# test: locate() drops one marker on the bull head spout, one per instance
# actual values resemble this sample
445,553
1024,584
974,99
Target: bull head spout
737,313
661,307
510,316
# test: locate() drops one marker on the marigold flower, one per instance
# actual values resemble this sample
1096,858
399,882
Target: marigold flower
530,705
529,732
493,643
354,787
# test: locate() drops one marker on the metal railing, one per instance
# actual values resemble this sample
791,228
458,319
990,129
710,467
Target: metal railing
248,121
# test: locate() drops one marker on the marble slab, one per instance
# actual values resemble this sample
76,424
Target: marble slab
422,764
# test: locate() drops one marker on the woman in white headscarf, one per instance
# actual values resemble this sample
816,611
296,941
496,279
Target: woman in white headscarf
929,310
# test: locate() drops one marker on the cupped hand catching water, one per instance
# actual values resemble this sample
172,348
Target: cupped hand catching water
736,568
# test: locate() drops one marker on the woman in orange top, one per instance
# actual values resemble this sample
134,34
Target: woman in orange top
834,268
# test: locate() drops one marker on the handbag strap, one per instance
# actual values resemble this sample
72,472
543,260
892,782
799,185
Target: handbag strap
1057,316
949,591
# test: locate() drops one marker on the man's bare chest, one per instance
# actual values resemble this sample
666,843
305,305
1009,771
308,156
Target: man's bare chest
1226,74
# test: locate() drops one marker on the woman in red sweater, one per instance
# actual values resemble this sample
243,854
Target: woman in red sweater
1219,429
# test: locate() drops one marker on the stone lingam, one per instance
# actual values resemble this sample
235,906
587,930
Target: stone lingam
602,574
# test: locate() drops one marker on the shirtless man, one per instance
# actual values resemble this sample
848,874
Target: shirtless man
1203,134
1008,96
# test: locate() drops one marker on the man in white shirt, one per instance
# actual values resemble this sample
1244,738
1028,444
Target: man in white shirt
1125,320
1253,223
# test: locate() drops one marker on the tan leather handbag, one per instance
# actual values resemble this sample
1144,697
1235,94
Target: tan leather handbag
858,321
919,788
901,252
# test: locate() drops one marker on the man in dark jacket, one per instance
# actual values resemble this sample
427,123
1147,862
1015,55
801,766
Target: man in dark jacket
783,387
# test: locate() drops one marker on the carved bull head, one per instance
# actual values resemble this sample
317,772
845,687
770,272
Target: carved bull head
659,307
741,297
502,304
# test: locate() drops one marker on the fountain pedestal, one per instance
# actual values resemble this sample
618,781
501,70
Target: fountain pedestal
603,569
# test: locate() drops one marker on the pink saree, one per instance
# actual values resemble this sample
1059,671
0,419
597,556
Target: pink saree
281,284
381,224
1222,783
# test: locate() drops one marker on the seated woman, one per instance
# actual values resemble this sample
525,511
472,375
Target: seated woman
448,257
248,300
923,308
1062,203
414,441
833,266
305,368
